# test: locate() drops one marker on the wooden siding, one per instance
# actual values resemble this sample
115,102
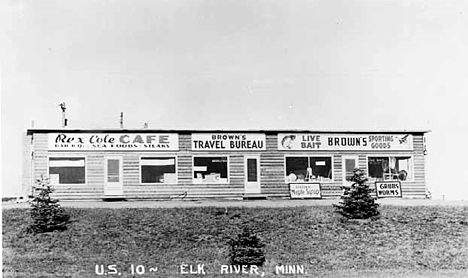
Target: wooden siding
272,171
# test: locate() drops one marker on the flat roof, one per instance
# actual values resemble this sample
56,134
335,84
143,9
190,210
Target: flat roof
185,131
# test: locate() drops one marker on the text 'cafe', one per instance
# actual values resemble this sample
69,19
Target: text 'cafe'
191,164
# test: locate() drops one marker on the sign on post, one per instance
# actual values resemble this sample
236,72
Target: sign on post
388,189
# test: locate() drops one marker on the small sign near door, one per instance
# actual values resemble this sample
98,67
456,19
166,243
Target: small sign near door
305,191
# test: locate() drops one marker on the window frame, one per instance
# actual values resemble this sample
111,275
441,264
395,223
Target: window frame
388,156
209,156
157,156
68,156
309,156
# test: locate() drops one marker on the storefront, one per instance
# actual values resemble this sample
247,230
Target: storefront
162,164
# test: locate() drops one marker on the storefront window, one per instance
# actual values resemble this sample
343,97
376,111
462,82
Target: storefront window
390,168
308,169
158,170
210,169
67,170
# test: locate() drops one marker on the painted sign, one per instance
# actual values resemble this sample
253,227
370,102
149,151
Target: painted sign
390,189
228,141
318,141
305,190
113,141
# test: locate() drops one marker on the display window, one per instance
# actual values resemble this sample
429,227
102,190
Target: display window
309,169
210,169
158,170
67,170
383,168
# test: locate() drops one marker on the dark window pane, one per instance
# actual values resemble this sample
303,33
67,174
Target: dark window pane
71,170
210,167
350,165
378,166
298,166
153,170
113,170
252,169
69,175
321,167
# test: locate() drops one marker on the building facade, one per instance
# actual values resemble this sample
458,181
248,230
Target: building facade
171,164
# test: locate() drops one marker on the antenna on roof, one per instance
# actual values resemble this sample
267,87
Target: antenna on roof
64,120
145,125
121,120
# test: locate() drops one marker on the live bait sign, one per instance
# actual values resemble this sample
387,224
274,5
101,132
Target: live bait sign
323,141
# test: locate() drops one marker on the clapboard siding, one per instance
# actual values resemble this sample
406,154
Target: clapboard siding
272,171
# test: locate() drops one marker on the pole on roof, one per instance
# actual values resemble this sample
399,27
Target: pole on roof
64,119
121,119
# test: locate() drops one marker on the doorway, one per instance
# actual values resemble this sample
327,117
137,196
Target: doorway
350,162
252,174
113,176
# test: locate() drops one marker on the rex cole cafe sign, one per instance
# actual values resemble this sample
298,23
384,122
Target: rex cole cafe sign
113,141
321,141
228,141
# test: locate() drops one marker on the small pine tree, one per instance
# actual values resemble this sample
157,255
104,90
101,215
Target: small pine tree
246,249
357,203
46,213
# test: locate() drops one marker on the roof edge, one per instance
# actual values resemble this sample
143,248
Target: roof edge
115,130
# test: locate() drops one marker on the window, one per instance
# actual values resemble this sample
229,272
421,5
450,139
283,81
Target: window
158,170
210,169
390,168
67,170
305,169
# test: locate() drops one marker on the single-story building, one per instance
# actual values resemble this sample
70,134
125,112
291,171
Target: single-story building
162,164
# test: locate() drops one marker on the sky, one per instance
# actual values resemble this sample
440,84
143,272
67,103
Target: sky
237,64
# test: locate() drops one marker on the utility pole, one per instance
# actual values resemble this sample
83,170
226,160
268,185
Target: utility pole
121,120
64,119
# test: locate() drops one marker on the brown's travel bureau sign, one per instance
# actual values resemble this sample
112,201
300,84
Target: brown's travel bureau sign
228,141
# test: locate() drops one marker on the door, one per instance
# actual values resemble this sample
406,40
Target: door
252,174
113,176
349,164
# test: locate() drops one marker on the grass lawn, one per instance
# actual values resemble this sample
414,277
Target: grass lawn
405,242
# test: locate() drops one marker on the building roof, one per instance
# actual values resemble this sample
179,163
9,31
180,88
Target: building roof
185,131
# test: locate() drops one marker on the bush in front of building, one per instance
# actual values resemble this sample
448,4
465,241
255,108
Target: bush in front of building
46,213
246,249
357,202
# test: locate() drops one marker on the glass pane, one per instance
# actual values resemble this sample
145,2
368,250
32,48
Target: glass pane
251,169
158,170
321,168
210,169
113,170
296,168
379,167
403,168
350,165
70,170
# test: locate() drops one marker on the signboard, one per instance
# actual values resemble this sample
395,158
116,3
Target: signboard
113,142
390,189
305,190
228,141
369,142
